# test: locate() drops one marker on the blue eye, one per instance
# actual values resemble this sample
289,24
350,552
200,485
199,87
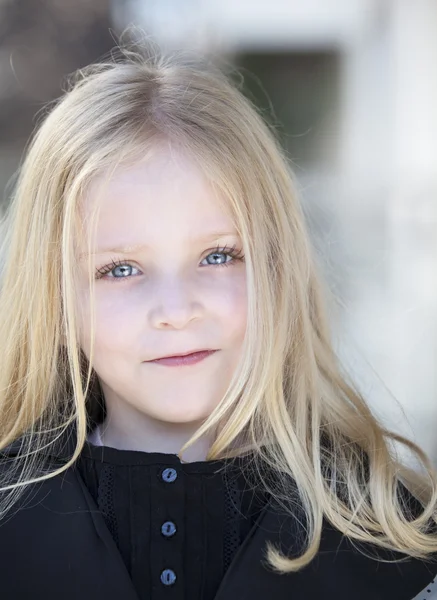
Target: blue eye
123,266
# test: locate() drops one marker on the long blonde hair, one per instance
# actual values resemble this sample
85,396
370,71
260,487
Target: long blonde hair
288,401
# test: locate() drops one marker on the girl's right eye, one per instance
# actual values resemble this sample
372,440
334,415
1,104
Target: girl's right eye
122,265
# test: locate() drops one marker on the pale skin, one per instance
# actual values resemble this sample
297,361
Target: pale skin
174,296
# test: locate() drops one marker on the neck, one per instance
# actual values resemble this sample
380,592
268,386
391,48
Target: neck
141,432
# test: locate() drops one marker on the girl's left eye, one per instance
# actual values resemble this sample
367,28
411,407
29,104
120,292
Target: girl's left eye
123,266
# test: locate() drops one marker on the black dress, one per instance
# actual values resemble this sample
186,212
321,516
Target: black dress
177,525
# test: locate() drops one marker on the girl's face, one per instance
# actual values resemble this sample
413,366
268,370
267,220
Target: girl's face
173,288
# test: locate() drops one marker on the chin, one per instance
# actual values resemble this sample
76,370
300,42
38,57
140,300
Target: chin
183,417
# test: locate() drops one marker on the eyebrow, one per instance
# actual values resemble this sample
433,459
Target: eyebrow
141,247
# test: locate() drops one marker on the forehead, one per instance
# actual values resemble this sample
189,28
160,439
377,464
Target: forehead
167,191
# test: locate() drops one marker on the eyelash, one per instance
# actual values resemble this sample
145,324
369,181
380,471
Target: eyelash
235,254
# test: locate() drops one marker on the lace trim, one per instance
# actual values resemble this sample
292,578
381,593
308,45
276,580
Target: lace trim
105,499
232,516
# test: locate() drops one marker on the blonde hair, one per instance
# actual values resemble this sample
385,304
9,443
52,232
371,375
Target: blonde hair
288,401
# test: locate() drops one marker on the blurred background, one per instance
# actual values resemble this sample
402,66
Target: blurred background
351,88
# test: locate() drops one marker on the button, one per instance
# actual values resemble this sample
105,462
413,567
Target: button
169,475
168,528
168,577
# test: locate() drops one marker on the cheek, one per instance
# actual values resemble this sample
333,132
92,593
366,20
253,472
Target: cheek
231,303
114,322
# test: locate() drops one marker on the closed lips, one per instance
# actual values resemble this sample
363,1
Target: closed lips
183,354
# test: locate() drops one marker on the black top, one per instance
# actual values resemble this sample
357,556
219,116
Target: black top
177,525
56,522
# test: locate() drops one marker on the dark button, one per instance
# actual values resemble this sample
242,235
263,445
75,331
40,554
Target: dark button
168,577
168,528
169,475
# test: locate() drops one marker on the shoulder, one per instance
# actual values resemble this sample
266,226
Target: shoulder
383,573
51,520
344,568
40,506
56,522
380,573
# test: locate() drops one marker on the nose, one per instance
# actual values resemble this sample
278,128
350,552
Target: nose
175,304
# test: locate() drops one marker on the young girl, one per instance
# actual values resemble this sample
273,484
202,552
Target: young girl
155,216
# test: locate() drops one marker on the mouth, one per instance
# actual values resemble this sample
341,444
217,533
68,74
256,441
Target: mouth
183,360
189,353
